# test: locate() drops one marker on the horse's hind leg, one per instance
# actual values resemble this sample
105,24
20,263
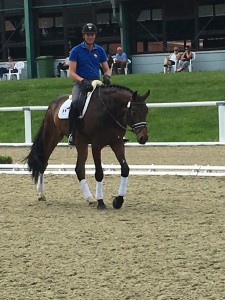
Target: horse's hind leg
50,133
118,149
40,187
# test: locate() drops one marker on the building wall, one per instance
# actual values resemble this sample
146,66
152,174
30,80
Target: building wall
153,63
154,26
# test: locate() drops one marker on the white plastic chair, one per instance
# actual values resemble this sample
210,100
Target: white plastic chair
190,68
19,66
171,68
126,70
64,73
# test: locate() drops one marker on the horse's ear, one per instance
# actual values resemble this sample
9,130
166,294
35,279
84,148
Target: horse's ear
134,96
145,96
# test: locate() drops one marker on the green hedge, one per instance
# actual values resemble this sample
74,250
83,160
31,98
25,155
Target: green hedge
5,159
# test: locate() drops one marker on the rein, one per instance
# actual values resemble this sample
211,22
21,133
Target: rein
134,126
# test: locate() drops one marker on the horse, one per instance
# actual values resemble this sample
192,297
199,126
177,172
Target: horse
110,110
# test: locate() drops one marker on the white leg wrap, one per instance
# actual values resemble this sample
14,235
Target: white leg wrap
40,184
99,190
85,189
123,186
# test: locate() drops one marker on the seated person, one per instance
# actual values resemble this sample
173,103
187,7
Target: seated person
172,59
120,61
63,66
8,66
109,60
185,60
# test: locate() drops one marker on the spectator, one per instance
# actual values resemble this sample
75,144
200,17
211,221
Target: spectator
185,60
120,61
63,66
109,60
172,59
8,66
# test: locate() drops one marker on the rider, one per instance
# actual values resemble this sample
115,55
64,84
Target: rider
85,60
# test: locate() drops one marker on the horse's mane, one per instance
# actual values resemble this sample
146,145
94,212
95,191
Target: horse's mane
117,86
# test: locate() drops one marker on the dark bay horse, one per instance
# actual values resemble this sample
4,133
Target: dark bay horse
110,110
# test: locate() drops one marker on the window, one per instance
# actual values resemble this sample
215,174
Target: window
156,14
50,27
145,15
211,26
103,18
148,15
9,4
205,11
45,23
15,31
220,10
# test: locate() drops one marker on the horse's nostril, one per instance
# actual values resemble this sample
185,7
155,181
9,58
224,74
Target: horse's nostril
143,139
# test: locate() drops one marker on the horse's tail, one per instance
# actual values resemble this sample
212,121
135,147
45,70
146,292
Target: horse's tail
35,158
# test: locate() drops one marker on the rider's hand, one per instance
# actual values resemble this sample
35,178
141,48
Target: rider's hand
106,80
86,86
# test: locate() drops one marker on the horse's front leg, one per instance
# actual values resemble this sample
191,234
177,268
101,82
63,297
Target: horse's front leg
96,153
119,151
82,154
40,187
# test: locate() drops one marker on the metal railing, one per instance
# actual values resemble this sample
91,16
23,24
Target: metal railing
221,118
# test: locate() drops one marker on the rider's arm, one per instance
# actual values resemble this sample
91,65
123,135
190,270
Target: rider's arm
106,69
72,71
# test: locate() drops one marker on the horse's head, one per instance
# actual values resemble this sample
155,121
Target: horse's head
136,116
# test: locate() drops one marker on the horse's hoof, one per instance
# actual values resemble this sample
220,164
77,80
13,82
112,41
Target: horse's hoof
90,200
101,205
41,198
118,202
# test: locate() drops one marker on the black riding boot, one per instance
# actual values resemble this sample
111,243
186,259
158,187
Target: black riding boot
73,116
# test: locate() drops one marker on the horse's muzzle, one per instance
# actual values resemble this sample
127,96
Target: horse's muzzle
142,135
142,139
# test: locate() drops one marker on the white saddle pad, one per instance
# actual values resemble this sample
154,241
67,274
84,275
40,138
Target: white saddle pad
65,108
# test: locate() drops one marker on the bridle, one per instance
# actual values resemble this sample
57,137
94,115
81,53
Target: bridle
136,127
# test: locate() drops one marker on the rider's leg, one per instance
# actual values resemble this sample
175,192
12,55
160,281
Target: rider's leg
74,113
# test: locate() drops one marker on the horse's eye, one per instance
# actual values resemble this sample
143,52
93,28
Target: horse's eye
133,111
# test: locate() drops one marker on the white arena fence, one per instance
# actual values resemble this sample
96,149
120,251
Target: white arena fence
183,170
62,169
221,118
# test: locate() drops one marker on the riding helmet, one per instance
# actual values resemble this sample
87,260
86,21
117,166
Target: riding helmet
89,28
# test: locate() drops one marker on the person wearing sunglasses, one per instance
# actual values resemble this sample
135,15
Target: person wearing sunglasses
185,60
172,59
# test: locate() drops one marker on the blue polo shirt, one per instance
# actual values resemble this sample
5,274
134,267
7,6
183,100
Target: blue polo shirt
88,60
121,56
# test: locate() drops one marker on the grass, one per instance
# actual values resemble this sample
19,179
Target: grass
164,124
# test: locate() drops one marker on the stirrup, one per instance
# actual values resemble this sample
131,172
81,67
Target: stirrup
71,140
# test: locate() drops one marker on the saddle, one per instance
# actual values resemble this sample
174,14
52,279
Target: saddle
83,103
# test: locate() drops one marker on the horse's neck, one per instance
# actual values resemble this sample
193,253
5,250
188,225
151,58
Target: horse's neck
119,98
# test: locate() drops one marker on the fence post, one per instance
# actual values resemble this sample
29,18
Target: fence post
27,123
221,115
